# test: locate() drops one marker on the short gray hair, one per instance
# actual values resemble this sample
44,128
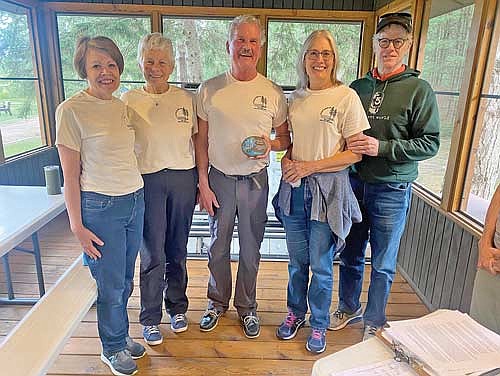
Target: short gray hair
155,41
301,68
246,19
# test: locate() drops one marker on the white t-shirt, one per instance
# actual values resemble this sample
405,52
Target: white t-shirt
321,121
164,128
100,130
236,110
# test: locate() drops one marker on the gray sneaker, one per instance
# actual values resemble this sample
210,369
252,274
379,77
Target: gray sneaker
369,332
340,319
135,349
179,323
120,363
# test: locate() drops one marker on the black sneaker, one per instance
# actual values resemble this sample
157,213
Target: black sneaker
209,320
251,326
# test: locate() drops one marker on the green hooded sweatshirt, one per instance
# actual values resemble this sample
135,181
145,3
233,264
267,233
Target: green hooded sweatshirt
403,116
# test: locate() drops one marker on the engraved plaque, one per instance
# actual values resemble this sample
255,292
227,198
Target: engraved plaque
254,146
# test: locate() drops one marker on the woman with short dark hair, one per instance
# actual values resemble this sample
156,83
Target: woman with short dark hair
103,192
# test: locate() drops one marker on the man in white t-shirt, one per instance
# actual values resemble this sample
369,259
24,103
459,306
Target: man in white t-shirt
231,107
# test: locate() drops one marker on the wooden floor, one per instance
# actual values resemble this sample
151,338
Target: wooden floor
224,351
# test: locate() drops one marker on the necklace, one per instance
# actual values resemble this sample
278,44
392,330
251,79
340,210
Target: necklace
156,94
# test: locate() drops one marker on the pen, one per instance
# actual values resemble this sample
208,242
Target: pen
491,372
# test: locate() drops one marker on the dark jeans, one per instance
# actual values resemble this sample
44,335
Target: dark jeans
170,197
118,222
384,207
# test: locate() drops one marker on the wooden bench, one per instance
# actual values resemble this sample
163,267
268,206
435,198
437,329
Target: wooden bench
5,107
34,344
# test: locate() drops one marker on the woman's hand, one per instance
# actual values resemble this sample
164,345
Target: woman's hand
296,170
207,200
489,258
87,239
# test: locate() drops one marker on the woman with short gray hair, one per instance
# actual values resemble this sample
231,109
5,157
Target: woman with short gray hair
165,154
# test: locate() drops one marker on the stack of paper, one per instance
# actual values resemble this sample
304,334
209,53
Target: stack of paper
448,343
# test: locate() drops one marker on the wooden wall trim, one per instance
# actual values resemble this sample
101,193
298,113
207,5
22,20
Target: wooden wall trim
477,57
333,15
394,6
156,22
424,27
366,53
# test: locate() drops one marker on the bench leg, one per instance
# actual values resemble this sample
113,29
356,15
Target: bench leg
8,277
38,263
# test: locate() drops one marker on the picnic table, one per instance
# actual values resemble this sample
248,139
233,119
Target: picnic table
23,211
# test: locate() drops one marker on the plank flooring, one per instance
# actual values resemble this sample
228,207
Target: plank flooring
224,351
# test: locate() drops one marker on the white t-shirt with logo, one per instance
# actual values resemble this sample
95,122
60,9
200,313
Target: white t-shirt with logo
322,120
164,125
100,130
236,110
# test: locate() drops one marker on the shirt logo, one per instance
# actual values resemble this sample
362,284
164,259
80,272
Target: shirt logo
182,115
260,102
376,102
328,115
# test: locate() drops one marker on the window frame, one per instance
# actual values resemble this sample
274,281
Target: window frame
37,79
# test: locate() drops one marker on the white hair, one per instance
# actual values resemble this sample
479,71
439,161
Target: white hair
246,19
155,41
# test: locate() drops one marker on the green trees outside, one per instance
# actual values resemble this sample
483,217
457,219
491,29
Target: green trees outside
200,53
444,62
286,38
126,31
200,47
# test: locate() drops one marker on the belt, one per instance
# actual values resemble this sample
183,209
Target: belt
251,176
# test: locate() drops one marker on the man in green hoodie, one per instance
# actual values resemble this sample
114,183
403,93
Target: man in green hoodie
403,115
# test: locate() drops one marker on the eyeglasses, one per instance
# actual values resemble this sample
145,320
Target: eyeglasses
315,54
396,42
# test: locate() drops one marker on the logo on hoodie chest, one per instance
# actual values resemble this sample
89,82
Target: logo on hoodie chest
376,102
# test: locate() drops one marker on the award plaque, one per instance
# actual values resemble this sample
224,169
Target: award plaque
254,146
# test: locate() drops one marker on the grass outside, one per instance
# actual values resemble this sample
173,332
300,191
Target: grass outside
22,146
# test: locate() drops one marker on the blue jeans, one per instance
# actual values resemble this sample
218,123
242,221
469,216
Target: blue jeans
384,207
310,244
118,222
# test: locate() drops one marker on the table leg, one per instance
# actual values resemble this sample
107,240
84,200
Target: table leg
38,263
8,278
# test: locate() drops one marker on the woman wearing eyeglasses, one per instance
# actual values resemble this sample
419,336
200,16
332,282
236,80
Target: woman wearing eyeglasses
315,201
403,116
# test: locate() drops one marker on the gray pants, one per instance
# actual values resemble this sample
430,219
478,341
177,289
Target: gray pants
245,197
